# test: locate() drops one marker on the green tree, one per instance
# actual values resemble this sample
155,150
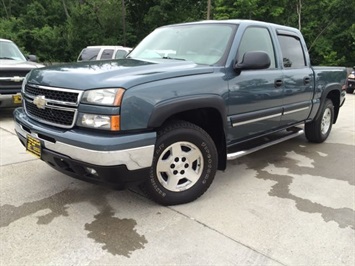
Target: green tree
327,25
56,30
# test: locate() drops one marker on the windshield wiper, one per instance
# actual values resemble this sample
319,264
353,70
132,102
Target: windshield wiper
173,58
4,57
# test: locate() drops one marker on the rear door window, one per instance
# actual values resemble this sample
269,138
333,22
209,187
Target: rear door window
292,52
107,54
89,54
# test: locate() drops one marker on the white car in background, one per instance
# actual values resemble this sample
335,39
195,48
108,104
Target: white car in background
103,52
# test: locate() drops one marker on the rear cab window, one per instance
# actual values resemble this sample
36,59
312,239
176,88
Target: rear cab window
121,54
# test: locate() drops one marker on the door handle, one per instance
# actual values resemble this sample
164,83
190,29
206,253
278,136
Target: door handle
278,83
306,80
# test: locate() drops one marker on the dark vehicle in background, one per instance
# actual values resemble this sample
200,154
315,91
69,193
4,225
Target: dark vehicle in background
103,52
350,83
14,66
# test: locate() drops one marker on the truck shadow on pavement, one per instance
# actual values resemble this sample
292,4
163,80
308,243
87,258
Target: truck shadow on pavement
308,161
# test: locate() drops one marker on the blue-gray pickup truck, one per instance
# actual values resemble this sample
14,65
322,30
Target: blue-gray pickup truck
188,98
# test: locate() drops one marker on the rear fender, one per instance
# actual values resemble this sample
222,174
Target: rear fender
333,92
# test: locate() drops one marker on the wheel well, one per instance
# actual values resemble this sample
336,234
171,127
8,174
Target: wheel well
334,96
210,120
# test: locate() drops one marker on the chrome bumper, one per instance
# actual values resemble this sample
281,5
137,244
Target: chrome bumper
135,158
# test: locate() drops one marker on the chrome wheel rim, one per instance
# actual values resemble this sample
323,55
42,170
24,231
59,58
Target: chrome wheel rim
326,121
180,166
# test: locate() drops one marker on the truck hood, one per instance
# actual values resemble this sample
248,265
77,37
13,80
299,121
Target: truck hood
17,64
125,73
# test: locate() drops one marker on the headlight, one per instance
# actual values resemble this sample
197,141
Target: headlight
110,97
105,122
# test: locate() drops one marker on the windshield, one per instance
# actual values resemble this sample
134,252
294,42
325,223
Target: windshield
203,44
8,50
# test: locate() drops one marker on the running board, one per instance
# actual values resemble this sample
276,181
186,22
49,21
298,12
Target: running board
238,154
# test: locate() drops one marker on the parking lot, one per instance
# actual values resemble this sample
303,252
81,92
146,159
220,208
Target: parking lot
290,204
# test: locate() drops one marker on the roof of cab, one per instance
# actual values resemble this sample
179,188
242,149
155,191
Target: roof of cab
238,22
5,40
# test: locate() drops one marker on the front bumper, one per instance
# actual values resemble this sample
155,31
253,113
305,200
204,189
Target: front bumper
114,158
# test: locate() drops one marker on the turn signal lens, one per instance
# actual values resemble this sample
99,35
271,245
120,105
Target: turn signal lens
119,96
115,123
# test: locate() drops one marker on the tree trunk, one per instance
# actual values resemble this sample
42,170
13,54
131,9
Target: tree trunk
208,9
65,9
124,22
299,12
7,14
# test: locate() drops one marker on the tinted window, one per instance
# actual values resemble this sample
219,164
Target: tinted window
121,54
257,39
89,54
292,52
107,54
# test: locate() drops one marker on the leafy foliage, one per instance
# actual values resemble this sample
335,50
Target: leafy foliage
56,30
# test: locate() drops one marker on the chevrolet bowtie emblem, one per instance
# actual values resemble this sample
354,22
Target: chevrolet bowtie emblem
17,79
40,101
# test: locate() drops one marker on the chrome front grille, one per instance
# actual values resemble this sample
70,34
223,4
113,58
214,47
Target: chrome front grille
59,117
53,94
52,106
12,77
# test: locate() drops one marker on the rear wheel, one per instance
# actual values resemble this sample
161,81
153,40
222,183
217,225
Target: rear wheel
184,164
319,129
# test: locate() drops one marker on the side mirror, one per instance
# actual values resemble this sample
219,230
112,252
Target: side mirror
254,60
32,58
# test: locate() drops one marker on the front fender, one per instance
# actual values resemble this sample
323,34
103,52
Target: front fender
163,110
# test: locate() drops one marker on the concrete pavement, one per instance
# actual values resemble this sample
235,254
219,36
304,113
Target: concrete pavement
290,204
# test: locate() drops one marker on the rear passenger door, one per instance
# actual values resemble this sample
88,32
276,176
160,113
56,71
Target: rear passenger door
297,78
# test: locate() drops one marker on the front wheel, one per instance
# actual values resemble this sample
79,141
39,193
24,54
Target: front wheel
184,164
319,129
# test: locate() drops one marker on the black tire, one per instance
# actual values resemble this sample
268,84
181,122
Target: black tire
349,90
319,129
184,164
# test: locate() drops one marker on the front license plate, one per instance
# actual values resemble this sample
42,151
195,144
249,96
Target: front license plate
33,146
17,98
